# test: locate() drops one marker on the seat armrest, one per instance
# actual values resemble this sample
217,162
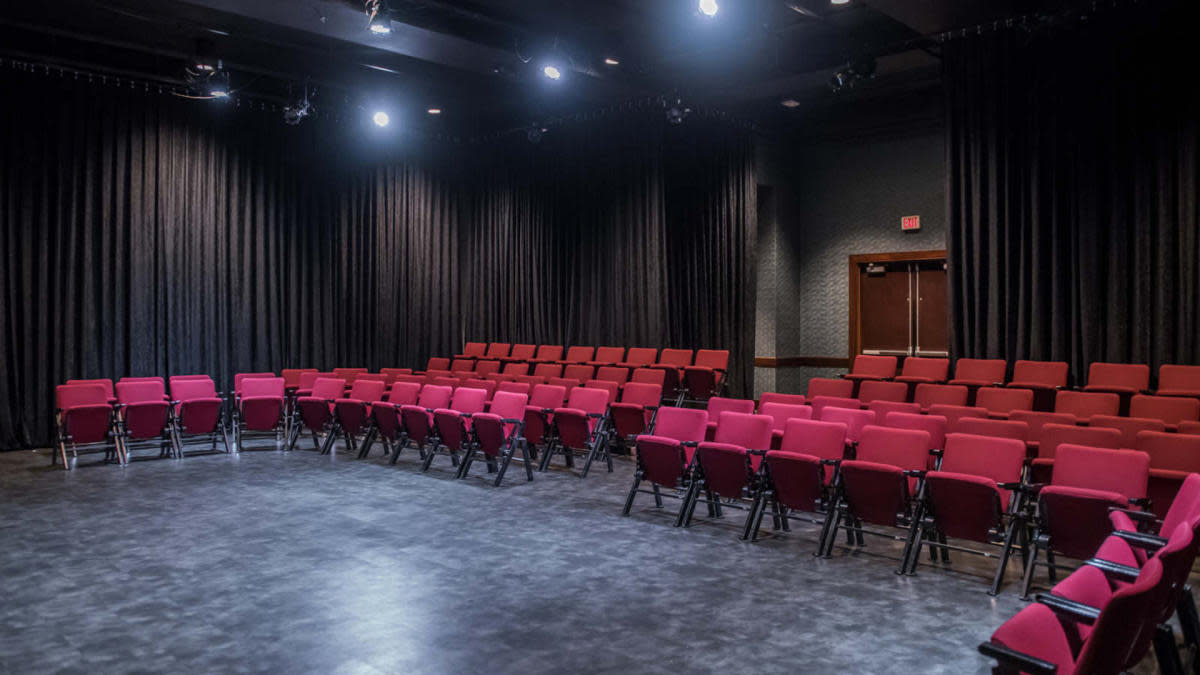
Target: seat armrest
936,452
547,411
1031,488
1114,570
1009,486
831,462
914,472
595,415
1142,540
690,444
1075,610
1019,661
1141,501
466,414
1136,516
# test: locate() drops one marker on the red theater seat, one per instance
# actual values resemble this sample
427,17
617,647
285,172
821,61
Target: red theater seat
1128,426
665,456
498,434
1000,402
927,395
316,412
579,427
549,354
920,369
874,390
144,416
718,404
1053,435
727,466
580,354
934,425
798,477
706,377
634,413
418,419
352,413
982,426
824,386
452,425
772,397
1172,458
1170,410
780,413
1085,404
385,417
979,372
85,421
1118,378
871,367
199,411
1178,381
260,409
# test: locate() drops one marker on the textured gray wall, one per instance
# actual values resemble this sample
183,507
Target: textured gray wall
842,198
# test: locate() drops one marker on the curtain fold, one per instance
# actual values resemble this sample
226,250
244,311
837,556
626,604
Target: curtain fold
148,235
1072,187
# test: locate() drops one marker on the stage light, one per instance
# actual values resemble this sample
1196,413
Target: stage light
535,133
381,119
377,20
434,111
610,61
708,7
790,103
840,2
552,72
676,111
218,84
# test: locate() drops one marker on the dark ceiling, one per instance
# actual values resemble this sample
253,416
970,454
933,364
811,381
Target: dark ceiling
480,60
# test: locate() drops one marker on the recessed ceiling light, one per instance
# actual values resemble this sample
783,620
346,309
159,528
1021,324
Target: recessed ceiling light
789,103
381,118
611,61
709,7
435,111
840,2
552,72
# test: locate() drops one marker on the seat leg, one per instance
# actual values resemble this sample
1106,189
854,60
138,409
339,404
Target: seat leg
759,502
830,515
1050,569
527,457
1165,651
1030,565
62,451
593,450
658,503
637,480
912,550
429,455
367,442
330,438
834,519
1189,619
757,526
693,496
1002,566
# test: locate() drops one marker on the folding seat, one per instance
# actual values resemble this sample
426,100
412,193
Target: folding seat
567,383
634,413
352,413
648,376
800,475
927,395
1172,458
706,377
1036,640
307,379
373,377
417,420
467,366
446,381
502,377
498,433
239,378
578,372
291,377
497,350
431,375
1001,401
516,368
548,354
612,388
548,370
979,372
473,350
1178,381
452,425
780,413
527,380
316,412
1126,379
975,496
580,354
437,363
348,374
612,374
390,374
385,418
107,384
824,386
608,356
953,413
85,422
1128,426
820,403
664,457
638,357
672,362
983,426
882,486
580,426
727,466
1144,531
1085,404
719,404
198,412
774,397
1073,510
483,368
520,353
1036,421
855,420
539,413
260,409
1189,428
871,367
882,408
917,369
418,380
874,390
1043,377
934,425
513,388
1171,410
1051,436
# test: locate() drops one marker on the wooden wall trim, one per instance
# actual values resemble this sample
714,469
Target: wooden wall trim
801,362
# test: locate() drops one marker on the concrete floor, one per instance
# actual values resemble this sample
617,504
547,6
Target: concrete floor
295,562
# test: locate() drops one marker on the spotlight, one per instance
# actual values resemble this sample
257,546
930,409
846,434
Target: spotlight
708,7
535,133
839,2
552,72
218,84
676,112
853,73
610,61
434,111
381,119
296,111
790,103
377,20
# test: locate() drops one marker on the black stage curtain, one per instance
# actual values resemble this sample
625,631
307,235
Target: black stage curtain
1072,190
149,235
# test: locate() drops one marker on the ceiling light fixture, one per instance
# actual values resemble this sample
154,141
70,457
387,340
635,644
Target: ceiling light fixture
218,84
380,119
434,111
790,103
676,111
377,20
709,7
552,72
610,61
296,111
840,2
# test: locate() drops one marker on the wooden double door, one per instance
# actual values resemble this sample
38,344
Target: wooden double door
898,304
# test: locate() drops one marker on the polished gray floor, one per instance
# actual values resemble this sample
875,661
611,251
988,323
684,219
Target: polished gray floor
294,562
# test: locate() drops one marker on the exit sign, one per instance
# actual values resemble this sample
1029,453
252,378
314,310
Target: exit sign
910,223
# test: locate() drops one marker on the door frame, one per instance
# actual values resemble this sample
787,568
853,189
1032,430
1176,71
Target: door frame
861,259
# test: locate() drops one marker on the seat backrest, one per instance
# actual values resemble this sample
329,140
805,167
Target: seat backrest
1128,426
106,383
1084,404
514,388
239,378
687,425
953,413
610,387
675,357
610,354
1178,378
641,356
328,387
904,448
980,370
498,350
578,372
1125,375
1044,373
825,440
1175,452
718,404
468,400
717,359
875,366
1189,428
1054,435
463,365
641,394
291,376
1001,459
750,431
927,395
934,425
307,378
415,379
1122,471
509,405
548,370
390,374
438,363
780,413
589,399
549,352
612,374
548,396
875,390
920,366
982,426
265,386
140,392
150,378
820,403
1037,419
579,353
568,384
854,419
434,396
366,390
475,349
71,395
825,386
516,368
773,397
348,374
1169,409
520,351
649,376
404,393
1004,400
183,389
1185,506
